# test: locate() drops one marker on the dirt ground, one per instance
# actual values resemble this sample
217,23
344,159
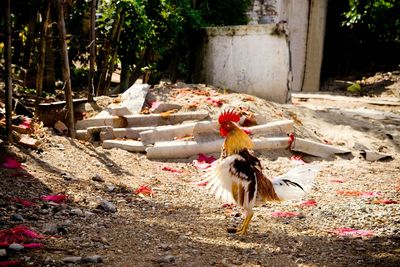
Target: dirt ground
182,225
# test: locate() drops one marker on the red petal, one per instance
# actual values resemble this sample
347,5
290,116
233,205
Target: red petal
59,198
203,183
205,158
352,232
336,181
144,190
10,263
11,163
33,245
166,168
297,159
308,203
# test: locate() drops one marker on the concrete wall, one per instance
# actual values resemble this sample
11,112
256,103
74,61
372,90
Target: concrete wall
252,59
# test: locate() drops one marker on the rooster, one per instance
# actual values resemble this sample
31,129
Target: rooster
238,178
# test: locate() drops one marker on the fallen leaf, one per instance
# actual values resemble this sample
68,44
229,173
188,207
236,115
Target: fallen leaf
349,232
284,214
308,203
59,198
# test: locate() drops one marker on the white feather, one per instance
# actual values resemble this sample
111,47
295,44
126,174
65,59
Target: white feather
303,175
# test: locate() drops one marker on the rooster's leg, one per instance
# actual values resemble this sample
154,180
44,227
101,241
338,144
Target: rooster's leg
243,229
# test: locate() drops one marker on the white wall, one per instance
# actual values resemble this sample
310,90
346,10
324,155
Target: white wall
252,59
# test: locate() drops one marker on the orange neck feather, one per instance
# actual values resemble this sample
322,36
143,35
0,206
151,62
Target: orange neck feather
236,140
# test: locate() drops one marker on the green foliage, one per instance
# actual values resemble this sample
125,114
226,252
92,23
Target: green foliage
355,88
380,17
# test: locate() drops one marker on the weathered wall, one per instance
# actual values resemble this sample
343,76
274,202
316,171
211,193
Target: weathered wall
251,59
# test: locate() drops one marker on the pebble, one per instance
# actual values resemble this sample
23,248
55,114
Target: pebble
98,178
3,253
17,218
16,247
77,212
167,259
73,259
67,177
110,188
107,206
50,229
92,259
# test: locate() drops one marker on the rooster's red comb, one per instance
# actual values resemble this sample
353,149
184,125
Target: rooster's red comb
229,115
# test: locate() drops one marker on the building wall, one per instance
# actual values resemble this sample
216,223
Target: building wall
251,59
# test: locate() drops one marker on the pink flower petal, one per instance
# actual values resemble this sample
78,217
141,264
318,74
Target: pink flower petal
18,234
24,202
370,194
308,203
385,201
59,198
203,183
11,163
203,162
33,245
206,159
352,232
337,181
297,159
166,168
284,214
10,263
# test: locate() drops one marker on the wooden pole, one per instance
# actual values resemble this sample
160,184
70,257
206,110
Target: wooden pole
65,68
8,81
92,50
42,55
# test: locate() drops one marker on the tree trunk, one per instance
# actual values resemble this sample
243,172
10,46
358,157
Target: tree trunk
114,56
49,72
8,73
65,68
125,72
26,62
107,52
92,50
42,54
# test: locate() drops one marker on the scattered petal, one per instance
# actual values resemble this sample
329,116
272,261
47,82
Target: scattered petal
384,201
337,181
166,168
203,183
59,198
18,234
228,205
308,203
33,245
144,190
297,159
24,202
284,214
11,163
352,232
10,263
214,102
203,162
358,193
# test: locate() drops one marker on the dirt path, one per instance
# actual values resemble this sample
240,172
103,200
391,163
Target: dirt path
181,225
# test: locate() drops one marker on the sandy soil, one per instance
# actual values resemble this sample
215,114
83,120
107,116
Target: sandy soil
181,225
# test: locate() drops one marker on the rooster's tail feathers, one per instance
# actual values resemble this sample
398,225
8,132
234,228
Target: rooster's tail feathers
296,183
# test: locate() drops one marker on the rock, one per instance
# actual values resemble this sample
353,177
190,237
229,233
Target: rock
17,218
107,206
92,259
60,128
67,177
73,259
77,212
16,247
50,229
89,214
110,188
98,178
3,253
167,259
